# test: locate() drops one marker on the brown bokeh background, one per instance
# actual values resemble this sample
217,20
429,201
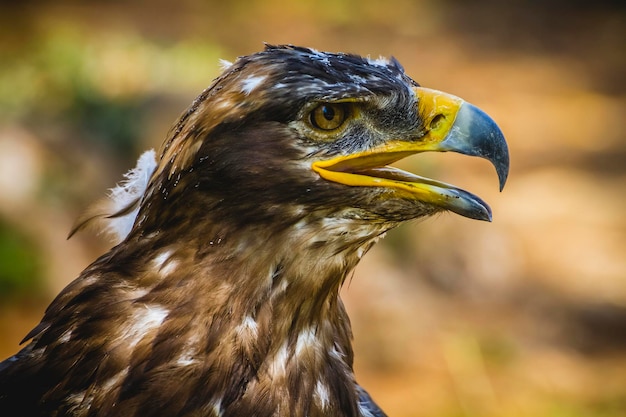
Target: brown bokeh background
525,316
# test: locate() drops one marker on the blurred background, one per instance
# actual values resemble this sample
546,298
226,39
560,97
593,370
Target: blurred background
525,316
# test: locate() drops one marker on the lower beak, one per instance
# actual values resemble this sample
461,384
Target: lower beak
448,124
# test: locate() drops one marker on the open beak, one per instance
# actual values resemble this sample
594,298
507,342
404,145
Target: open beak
448,124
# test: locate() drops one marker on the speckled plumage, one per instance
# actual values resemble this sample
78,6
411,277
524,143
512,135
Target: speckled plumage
223,298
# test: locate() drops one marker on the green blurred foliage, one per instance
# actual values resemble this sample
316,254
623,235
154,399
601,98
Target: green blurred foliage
21,263
97,86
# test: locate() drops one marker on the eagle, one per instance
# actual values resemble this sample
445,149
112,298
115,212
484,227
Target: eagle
221,296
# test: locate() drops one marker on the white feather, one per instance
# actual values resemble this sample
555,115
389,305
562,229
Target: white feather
380,62
321,392
249,84
224,64
130,189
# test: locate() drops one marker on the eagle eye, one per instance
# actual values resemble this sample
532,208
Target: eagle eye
328,116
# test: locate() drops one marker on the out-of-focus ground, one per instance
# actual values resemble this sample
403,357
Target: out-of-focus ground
525,316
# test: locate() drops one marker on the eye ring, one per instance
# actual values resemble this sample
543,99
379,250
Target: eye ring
328,116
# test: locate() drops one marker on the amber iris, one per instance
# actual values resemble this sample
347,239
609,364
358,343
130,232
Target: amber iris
328,116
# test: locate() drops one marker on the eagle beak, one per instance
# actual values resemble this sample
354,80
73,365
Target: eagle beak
448,123
455,125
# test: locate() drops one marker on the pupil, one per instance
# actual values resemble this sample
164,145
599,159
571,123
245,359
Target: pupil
328,112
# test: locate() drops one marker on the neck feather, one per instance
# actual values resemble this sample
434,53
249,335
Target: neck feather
260,321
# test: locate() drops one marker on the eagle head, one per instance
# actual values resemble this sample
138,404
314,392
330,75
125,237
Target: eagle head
291,133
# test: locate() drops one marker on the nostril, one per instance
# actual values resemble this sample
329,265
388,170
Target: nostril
436,121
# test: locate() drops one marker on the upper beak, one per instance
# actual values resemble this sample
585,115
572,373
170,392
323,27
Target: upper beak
448,124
